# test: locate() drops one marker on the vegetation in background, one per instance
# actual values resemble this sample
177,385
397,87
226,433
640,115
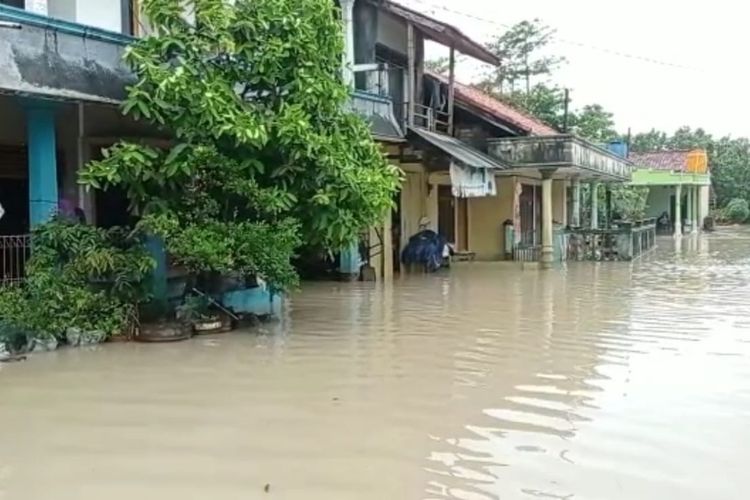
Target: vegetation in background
525,81
266,156
737,211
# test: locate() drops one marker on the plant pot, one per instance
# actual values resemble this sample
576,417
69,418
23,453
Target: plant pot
163,332
208,326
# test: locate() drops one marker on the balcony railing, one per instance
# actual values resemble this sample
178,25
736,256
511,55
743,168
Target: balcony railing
563,153
373,100
61,59
624,241
15,251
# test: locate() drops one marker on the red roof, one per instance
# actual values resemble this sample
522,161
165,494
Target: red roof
661,160
499,109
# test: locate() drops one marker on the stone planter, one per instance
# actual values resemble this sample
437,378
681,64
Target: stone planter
5,353
45,344
163,332
76,337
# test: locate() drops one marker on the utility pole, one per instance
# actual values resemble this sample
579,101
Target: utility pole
565,114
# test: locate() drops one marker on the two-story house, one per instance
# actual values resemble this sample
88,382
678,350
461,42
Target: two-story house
474,166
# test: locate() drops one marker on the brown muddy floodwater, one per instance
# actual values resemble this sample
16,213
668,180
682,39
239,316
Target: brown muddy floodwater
600,381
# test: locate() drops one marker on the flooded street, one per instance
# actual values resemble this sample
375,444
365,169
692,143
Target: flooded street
599,381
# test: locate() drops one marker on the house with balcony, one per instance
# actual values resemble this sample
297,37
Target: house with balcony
473,166
62,78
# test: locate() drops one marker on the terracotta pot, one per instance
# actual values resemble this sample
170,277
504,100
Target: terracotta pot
163,332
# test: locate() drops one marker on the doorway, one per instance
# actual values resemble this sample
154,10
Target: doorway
530,203
447,214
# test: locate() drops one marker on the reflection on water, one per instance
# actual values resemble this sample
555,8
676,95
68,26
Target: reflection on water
599,381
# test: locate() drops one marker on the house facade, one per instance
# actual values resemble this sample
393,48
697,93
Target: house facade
493,180
679,184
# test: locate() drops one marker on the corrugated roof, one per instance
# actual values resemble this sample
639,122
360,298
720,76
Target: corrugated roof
459,150
499,109
440,32
661,160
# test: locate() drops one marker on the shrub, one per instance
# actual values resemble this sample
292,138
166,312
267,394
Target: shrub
737,210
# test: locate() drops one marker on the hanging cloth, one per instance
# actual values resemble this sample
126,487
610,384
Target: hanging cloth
469,182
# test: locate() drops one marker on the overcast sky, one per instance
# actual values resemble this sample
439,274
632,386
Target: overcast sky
710,40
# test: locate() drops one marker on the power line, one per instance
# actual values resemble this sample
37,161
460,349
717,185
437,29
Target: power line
576,43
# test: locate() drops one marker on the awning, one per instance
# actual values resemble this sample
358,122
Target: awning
440,32
459,151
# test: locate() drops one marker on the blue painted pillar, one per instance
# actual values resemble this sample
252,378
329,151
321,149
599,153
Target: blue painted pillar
155,247
42,150
349,261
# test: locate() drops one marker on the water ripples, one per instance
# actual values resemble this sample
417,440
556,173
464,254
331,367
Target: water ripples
611,380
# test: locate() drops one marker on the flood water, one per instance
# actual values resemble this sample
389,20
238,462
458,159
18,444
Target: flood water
599,381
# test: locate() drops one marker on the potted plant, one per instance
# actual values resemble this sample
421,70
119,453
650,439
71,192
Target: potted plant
196,310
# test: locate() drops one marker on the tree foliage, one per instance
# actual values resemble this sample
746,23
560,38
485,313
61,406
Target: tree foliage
266,155
521,49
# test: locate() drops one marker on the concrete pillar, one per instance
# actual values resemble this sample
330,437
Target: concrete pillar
547,234
349,262
678,211
576,215
42,151
347,18
697,219
388,247
594,205
689,204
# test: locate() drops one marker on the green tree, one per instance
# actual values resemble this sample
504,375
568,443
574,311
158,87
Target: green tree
521,50
595,123
441,65
266,155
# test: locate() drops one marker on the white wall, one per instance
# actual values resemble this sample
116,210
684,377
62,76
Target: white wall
104,14
63,9
392,33
659,200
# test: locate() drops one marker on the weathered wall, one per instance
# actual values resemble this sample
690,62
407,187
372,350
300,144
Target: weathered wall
486,217
704,195
559,202
62,9
413,192
104,14
53,63
392,33
659,200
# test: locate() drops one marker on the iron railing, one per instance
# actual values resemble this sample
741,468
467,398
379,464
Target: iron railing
624,241
527,253
15,251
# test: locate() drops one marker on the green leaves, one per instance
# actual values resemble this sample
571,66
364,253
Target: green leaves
265,155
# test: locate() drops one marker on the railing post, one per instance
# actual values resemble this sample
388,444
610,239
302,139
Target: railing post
451,88
411,49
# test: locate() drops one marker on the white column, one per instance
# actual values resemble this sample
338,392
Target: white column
697,209
678,211
689,203
576,215
37,6
547,248
594,205
347,17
